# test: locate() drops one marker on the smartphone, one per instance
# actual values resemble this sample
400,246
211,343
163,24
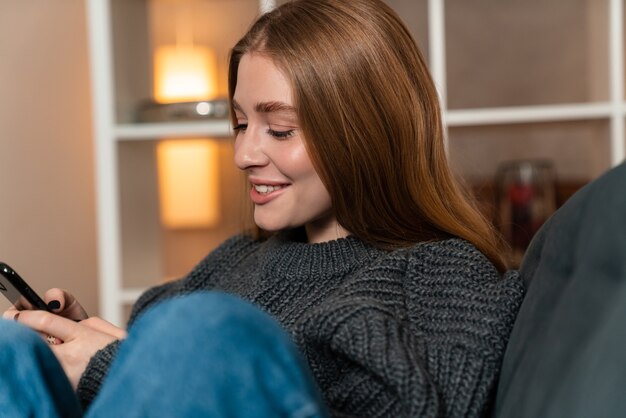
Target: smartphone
17,291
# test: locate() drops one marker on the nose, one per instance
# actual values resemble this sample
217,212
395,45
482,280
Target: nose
249,150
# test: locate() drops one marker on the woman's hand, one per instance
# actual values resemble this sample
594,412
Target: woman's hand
74,337
60,302
76,342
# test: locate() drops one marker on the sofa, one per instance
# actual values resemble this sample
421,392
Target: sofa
567,353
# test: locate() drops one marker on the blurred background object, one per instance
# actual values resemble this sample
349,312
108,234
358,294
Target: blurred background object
526,198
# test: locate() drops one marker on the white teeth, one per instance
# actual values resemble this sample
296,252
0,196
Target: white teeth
265,189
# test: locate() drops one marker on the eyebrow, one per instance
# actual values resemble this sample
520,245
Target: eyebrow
272,107
268,107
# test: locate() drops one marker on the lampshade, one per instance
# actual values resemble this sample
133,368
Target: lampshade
188,173
184,73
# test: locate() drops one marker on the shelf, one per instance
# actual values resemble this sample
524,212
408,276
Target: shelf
154,131
580,149
454,118
522,114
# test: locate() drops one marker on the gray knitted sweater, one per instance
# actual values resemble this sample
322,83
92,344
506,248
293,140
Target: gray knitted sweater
415,332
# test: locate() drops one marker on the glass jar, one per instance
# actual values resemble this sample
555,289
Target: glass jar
526,197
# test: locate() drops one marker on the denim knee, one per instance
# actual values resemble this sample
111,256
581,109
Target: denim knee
32,382
211,354
208,312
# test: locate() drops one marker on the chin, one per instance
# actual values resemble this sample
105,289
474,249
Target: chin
269,225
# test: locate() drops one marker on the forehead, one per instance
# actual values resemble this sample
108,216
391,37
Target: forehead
259,80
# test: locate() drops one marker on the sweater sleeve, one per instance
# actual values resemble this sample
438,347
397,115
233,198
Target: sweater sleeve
370,363
462,311
90,381
427,341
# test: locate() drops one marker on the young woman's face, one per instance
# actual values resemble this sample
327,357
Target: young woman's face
285,188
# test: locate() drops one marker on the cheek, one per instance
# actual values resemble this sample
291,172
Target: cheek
305,173
299,156
296,162
313,191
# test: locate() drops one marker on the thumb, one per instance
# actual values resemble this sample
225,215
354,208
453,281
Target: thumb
65,304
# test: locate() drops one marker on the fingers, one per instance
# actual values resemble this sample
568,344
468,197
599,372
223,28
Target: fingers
49,324
65,304
103,326
51,339
59,301
56,295
14,313
10,313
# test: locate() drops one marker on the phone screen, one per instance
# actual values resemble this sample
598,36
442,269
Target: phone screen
17,291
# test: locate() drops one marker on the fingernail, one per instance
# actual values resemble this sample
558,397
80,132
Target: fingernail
54,304
17,315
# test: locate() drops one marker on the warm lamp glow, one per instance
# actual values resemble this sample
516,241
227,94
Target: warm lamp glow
188,183
184,73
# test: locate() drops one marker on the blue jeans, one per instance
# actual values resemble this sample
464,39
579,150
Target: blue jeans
203,355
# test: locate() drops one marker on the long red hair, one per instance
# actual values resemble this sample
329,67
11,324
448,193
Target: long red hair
370,115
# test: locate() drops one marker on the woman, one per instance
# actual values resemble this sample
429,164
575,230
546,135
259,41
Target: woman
367,253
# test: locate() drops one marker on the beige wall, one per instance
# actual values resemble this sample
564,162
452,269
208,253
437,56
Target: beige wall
47,215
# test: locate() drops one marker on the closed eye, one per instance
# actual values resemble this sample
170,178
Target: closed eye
241,127
281,134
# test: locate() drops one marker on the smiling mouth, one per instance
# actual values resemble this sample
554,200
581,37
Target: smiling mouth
264,189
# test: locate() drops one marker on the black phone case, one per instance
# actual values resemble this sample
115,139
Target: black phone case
17,291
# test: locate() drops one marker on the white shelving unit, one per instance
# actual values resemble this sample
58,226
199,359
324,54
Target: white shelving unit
129,131
615,109
111,131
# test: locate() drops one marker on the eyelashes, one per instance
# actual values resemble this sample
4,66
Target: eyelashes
242,127
281,134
